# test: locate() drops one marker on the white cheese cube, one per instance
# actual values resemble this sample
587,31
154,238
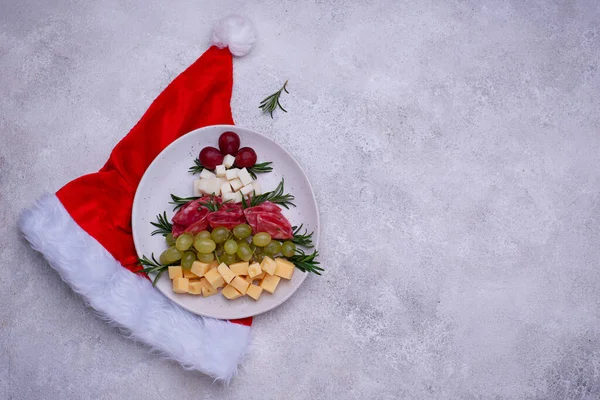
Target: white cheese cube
213,186
229,197
200,187
257,188
246,190
206,174
231,174
228,161
244,176
220,170
237,197
236,184
225,188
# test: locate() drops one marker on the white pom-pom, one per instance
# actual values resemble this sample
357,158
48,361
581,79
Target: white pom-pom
234,32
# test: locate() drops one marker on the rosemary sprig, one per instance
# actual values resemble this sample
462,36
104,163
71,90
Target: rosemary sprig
151,267
306,262
164,227
197,168
270,103
302,239
212,204
181,201
260,169
276,196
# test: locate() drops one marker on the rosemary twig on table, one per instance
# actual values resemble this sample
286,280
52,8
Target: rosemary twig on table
302,239
260,169
151,267
181,201
306,262
276,196
164,227
197,168
270,103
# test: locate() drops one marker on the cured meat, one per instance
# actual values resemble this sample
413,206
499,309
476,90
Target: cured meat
275,225
177,229
229,215
252,212
191,217
201,223
267,217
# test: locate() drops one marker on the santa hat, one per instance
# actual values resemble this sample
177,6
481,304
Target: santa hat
84,230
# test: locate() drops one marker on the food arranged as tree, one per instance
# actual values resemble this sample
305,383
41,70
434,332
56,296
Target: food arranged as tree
230,235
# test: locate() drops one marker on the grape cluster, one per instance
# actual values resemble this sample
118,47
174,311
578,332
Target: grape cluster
226,246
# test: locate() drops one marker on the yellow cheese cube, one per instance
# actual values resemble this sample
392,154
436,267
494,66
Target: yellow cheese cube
215,280
181,285
268,265
189,274
195,287
230,292
240,268
249,280
262,275
213,264
270,282
200,268
225,272
240,284
284,268
207,289
175,272
254,270
254,291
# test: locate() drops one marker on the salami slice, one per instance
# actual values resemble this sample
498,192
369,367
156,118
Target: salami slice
191,217
229,215
267,217
275,225
201,224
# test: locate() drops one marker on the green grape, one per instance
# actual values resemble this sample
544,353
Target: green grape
206,257
244,252
204,245
170,240
184,241
288,248
230,246
242,231
261,239
203,235
273,248
170,255
228,258
188,259
220,234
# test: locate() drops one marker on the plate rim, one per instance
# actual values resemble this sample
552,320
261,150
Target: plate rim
287,153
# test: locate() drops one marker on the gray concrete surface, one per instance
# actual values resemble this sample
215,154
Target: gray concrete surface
454,148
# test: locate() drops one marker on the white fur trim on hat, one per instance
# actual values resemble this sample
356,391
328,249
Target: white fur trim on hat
234,32
128,300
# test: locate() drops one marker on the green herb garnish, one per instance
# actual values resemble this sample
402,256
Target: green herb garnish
197,168
151,267
164,227
302,239
181,201
276,196
270,103
306,262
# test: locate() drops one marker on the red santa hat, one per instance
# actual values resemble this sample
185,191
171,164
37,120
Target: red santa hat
84,230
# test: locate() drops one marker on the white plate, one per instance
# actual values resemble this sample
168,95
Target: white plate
168,174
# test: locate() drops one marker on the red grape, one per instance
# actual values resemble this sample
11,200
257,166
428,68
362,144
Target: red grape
229,143
210,157
245,158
